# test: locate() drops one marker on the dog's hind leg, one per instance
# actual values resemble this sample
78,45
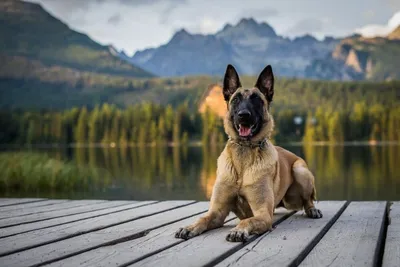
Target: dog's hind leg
302,192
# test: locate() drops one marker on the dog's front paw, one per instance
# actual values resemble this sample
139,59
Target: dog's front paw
237,235
186,232
314,213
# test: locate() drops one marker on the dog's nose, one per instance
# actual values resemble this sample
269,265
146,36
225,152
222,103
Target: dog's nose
244,114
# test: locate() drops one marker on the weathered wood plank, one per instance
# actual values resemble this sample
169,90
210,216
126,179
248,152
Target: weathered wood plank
199,250
53,218
353,239
391,255
15,201
123,253
7,222
21,208
288,241
122,232
35,238
48,205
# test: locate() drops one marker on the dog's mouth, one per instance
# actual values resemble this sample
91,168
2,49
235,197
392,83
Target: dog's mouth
246,130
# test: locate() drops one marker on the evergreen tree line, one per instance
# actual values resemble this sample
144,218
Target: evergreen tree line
146,123
150,123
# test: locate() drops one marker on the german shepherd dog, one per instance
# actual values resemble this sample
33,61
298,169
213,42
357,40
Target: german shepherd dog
253,176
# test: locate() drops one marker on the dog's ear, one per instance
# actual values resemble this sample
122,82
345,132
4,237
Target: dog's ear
265,83
231,82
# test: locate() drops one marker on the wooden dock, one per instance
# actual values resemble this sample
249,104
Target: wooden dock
45,232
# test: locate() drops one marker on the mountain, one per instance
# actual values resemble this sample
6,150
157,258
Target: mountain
186,54
30,34
248,45
360,58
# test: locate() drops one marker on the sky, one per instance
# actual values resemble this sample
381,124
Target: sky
132,25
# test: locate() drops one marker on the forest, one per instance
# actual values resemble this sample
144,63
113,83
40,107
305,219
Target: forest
160,111
155,124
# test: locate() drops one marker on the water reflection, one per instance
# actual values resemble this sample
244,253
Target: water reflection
342,172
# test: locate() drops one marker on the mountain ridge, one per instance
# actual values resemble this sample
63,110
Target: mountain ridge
248,44
251,45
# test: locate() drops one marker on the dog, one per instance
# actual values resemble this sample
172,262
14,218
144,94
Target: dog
253,176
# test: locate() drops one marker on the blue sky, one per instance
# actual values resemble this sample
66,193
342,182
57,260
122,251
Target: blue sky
133,25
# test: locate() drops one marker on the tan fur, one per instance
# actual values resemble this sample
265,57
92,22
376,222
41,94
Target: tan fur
251,182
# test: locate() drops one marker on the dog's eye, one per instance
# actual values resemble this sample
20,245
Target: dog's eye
234,101
254,96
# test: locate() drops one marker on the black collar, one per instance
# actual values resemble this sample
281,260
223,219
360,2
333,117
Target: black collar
260,144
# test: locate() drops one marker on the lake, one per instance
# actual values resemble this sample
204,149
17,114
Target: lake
170,173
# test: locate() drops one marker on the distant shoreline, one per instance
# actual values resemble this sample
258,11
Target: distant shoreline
195,144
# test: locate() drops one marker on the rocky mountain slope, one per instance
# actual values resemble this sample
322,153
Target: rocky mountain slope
248,45
359,58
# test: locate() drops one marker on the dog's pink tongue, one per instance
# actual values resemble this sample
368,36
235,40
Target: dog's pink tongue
244,131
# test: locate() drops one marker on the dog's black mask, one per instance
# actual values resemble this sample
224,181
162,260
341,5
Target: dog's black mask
247,113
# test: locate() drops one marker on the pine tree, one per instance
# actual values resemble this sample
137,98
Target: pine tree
309,132
94,127
142,136
153,132
161,129
335,128
81,128
176,132
115,127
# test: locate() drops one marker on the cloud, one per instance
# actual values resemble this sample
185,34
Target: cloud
395,4
149,2
369,14
372,30
167,12
309,25
258,14
114,19
73,5
207,25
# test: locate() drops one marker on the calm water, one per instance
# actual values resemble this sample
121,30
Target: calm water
342,172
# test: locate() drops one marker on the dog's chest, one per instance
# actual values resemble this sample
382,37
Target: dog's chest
251,165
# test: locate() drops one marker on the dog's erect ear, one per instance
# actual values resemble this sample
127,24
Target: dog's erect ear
231,82
265,83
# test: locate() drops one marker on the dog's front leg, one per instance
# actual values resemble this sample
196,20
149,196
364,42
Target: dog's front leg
220,206
261,200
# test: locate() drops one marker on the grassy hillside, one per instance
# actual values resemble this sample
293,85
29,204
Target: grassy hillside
28,31
57,88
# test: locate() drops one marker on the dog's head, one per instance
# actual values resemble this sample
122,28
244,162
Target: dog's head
248,116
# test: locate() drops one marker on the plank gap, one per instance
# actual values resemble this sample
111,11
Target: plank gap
296,262
91,230
179,241
119,240
61,216
28,201
242,245
380,248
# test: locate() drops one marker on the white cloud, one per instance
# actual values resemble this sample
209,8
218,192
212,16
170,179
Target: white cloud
380,30
206,26
149,23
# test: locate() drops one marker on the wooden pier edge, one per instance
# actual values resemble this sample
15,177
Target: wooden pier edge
62,232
